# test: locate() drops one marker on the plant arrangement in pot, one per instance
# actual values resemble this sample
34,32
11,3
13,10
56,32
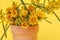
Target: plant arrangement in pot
23,18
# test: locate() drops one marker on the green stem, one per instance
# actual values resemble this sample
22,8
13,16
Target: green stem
56,16
23,4
39,6
4,29
44,4
25,8
47,21
3,23
4,33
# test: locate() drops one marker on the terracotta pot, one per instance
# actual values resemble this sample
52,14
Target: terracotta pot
24,34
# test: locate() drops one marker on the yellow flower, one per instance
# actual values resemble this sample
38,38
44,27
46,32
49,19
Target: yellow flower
54,5
24,13
9,10
51,4
9,17
22,7
24,25
57,4
33,20
40,14
14,13
23,18
50,10
32,13
31,8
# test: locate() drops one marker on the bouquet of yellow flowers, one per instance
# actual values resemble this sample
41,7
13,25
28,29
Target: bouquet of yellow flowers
29,14
24,16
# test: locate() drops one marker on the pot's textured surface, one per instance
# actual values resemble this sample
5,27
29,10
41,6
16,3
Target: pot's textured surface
24,34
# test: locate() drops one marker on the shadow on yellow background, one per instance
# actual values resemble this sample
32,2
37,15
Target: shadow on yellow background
46,31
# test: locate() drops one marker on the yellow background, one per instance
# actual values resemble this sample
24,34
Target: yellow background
46,31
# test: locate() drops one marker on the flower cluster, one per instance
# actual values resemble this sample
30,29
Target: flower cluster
25,16
53,5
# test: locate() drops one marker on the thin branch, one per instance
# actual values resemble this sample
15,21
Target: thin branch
23,4
47,20
56,16
4,29
39,6
3,24
4,33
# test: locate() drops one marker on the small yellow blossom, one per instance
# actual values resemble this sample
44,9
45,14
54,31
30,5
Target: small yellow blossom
57,4
32,13
24,25
14,13
23,18
50,10
33,20
51,4
24,12
31,8
9,10
40,14
9,17
22,7
54,5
